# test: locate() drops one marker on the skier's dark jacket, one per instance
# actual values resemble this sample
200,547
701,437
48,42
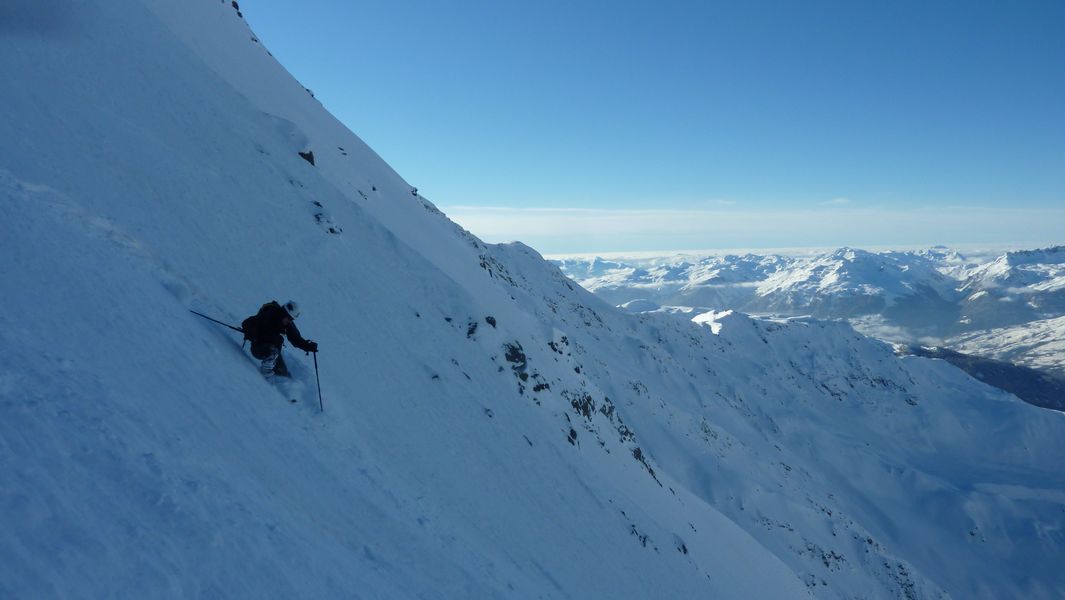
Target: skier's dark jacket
267,326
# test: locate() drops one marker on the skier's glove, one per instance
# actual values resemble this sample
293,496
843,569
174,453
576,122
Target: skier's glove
312,346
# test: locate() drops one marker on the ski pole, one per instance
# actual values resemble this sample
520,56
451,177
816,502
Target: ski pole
316,380
217,321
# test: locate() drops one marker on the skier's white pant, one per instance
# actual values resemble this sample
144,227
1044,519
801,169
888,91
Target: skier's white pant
268,363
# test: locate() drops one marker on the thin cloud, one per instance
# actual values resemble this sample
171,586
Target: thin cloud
837,202
562,230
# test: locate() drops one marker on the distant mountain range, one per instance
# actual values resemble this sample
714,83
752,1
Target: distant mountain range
1007,307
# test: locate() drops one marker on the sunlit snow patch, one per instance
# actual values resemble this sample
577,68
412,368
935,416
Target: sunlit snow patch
711,319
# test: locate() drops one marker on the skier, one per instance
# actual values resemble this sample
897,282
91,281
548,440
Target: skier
264,330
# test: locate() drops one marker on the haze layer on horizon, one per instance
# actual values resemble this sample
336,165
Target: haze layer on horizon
555,231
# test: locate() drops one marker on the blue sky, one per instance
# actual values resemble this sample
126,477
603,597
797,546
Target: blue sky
615,126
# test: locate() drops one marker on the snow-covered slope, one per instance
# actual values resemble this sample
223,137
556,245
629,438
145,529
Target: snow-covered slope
1016,288
490,428
903,286
1038,344
1044,268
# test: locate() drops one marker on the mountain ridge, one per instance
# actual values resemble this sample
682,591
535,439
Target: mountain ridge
910,296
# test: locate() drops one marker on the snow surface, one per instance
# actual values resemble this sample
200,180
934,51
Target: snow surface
490,428
1039,344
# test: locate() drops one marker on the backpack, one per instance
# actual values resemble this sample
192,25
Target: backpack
253,325
250,327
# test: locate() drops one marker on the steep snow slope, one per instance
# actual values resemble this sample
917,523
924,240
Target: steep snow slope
143,455
341,158
825,444
491,430
1036,387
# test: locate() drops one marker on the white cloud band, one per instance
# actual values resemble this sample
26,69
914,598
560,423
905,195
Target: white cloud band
554,230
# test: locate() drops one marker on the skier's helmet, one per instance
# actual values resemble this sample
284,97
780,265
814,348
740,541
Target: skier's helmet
292,309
